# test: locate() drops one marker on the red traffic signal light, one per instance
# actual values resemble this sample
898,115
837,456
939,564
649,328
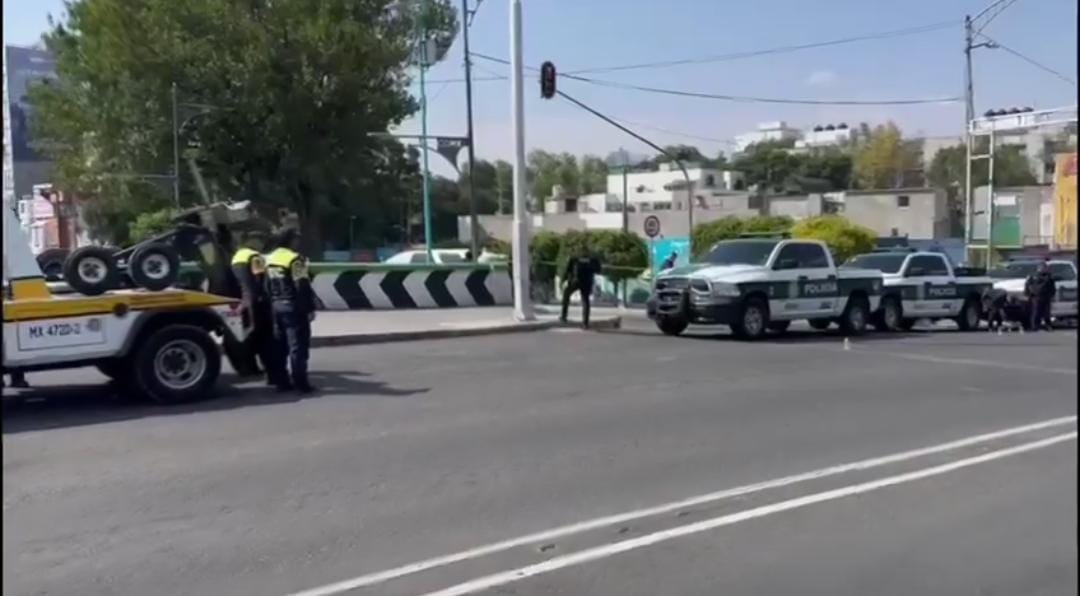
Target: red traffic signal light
547,80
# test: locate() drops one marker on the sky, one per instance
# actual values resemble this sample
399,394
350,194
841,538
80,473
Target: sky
584,34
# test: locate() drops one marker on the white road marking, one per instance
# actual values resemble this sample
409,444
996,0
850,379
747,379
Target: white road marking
584,526
608,550
968,361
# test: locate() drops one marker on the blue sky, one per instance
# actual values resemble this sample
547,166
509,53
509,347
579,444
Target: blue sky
579,34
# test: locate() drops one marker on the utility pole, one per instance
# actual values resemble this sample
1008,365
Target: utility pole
474,231
969,115
175,147
523,309
422,52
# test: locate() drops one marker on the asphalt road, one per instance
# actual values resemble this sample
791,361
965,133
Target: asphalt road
419,450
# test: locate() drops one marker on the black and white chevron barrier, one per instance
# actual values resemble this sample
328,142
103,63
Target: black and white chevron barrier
378,289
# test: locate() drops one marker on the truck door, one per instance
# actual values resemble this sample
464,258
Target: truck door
936,293
805,283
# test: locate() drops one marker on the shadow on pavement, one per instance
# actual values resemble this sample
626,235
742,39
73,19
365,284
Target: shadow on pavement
798,336
61,406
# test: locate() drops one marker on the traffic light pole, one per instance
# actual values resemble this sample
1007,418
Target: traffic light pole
523,308
474,231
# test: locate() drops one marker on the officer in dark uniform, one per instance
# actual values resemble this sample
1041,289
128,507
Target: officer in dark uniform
293,304
1040,289
580,274
249,268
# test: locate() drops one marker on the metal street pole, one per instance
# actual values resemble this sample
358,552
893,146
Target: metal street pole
990,205
474,232
175,148
969,115
523,309
424,148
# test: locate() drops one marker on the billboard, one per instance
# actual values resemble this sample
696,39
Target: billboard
1065,201
23,165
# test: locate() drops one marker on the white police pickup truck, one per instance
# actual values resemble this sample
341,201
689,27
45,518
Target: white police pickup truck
758,285
1012,277
923,285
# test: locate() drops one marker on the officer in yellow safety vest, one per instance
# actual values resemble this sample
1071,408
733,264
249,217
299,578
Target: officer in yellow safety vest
293,304
249,268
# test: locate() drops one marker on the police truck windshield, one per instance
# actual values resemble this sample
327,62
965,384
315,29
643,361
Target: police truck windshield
1014,270
884,263
741,252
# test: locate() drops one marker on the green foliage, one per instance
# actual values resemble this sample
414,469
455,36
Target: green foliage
151,224
622,254
768,164
297,87
707,234
844,238
883,159
546,170
544,251
1011,168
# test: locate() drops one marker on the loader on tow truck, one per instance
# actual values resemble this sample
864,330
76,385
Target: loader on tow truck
159,344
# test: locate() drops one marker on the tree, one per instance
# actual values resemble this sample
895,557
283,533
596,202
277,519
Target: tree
844,238
882,160
298,86
768,165
831,165
1011,168
594,173
622,254
504,186
151,223
707,234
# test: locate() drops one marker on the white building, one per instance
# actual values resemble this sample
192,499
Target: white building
767,131
665,188
828,135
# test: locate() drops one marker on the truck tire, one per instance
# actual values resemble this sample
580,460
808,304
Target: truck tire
91,270
890,316
856,316
175,364
753,319
671,325
820,324
154,266
970,314
51,263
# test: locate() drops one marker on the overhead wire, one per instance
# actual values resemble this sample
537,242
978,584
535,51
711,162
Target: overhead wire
1028,59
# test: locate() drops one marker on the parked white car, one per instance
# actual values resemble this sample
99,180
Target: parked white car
440,256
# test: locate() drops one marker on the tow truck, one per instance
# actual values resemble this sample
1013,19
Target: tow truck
924,285
760,284
161,344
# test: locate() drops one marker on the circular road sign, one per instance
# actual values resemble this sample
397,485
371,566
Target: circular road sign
652,226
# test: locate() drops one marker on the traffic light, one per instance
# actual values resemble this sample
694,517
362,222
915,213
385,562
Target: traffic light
547,80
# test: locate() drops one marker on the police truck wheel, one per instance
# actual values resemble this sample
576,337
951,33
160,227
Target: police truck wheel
91,270
820,324
154,266
855,317
753,320
969,315
890,315
671,325
176,364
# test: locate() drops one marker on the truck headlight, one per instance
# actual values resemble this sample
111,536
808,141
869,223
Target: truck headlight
728,290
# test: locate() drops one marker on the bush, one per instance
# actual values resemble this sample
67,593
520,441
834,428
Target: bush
544,250
152,223
707,234
844,238
622,254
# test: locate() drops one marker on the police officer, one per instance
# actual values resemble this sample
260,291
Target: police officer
293,305
580,274
1040,289
249,268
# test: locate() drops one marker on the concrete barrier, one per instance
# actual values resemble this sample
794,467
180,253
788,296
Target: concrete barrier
369,286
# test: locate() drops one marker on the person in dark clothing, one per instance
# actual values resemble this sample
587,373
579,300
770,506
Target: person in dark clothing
670,261
580,275
292,301
994,306
18,380
1040,289
249,267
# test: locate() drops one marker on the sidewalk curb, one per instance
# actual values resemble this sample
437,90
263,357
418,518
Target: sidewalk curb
357,339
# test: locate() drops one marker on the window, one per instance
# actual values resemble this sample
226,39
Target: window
418,257
740,252
882,262
1062,272
927,265
710,181
806,256
903,201
571,205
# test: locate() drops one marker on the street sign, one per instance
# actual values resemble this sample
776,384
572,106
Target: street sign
652,226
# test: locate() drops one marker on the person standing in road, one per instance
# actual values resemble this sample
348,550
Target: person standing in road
249,267
580,275
1040,289
292,302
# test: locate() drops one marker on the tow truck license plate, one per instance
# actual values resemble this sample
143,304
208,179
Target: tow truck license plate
42,335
